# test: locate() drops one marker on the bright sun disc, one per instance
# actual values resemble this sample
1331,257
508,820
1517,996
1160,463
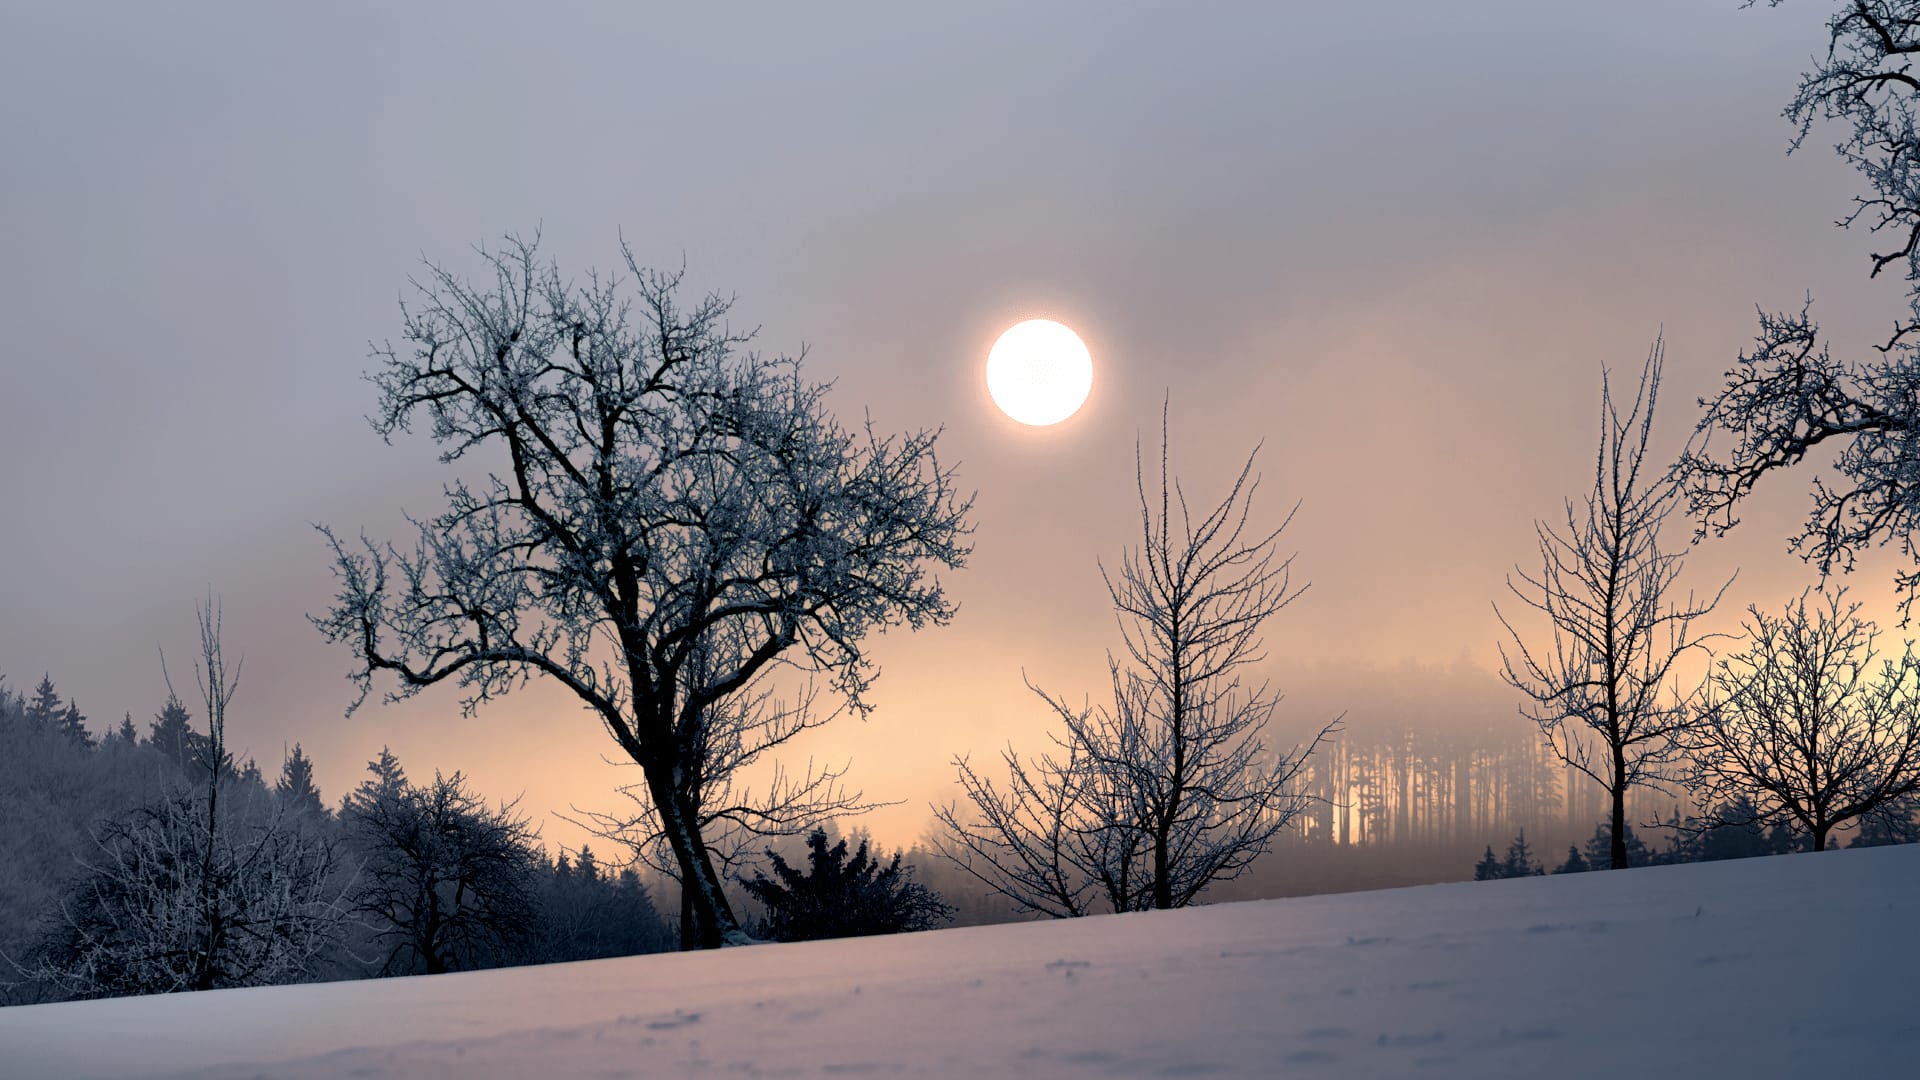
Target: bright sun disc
1039,372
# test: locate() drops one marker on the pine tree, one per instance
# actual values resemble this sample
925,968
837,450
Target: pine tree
389,782
74,725
126,732
842,895
1575,864
1489,868
296,788
1519,861
172,734
44,709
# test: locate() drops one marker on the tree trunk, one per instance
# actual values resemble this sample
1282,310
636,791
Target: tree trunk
1619,820
706,920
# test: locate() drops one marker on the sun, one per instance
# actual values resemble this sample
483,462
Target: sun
1039,372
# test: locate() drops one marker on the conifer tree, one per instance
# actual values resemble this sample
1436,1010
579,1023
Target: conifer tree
74,725
1519,861
44,708
296,788
842,895
1489,868
1575,864
172,734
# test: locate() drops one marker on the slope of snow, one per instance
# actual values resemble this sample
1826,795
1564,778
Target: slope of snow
1800,965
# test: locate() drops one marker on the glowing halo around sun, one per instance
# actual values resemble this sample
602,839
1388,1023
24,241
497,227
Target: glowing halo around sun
1039,372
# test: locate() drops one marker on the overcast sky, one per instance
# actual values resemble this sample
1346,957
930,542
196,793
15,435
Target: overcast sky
1395,243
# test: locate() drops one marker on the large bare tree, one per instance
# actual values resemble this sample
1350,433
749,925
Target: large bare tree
657,494
1789,394
1803,724
1601,683
1170,788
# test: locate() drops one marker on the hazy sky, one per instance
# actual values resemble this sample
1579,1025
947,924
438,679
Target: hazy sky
1397,242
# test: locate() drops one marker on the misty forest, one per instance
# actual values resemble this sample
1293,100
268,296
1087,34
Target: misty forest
690,540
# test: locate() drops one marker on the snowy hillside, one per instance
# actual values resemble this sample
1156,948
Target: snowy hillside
1799,965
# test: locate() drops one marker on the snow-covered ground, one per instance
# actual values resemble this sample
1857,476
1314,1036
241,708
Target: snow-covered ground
1801,965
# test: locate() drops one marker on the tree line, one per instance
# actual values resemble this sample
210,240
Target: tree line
156,862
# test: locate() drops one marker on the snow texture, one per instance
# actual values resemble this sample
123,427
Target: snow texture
1797,965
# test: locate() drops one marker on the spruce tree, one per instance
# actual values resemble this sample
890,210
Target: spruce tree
842,895
126,732
44,708
1575,864
74,725
389,782
1519,861
296,788
172,734
1489,868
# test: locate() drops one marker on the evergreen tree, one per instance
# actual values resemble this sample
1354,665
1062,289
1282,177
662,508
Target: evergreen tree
1894,823
74,725
587,913
842,895
126,732
296,788
1519,861
44,709
1600,846
1489,868
389,782
1575,864
172,734
1736,829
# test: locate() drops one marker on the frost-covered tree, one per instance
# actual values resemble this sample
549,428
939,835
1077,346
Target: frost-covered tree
1599,681
1789,394
446,882
1170,788
172,899
656,494
1804,724
196,891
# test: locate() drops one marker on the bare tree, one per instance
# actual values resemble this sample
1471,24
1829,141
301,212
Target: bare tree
663,496
1169,789
197,892
1802,723
1603,688
447,883
1788,394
